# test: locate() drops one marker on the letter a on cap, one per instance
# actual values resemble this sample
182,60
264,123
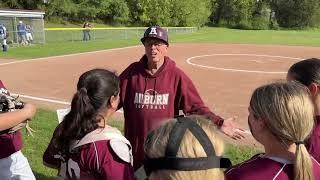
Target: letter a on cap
153,31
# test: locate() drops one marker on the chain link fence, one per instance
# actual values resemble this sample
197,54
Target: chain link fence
34,19
54,35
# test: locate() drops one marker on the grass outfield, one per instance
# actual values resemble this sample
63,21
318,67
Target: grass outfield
204,35
224,35
54,49
45,122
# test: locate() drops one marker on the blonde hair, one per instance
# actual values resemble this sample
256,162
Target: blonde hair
155,147
288,111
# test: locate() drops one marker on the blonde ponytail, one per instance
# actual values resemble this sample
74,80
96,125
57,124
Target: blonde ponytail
288,112
303,164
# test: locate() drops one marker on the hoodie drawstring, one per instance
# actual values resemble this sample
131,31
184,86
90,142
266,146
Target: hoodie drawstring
145,85
154,88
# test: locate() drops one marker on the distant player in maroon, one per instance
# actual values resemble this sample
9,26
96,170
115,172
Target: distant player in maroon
154,89
307,72
13,164
83,146
280,118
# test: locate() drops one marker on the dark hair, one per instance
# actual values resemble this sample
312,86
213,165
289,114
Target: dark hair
94,89
306,71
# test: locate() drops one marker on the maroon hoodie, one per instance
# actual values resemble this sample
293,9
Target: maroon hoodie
263,167
313,143
148,99
9,143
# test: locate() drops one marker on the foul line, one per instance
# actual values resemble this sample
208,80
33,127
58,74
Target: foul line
68,55
238,70
48,58
247,132
47,100
42,99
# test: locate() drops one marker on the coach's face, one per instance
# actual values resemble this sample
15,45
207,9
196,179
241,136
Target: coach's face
155,50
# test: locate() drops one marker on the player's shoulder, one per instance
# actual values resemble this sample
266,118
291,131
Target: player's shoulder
316,170
317,125
111,149
316,165
122,150
96,147
245,168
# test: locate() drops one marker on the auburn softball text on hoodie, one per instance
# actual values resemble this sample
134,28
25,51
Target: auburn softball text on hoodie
149,99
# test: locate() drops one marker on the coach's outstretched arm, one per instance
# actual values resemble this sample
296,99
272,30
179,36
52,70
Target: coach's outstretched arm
231,129
191,103
11,119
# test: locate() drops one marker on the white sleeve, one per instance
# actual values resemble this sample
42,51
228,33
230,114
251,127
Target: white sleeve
5,32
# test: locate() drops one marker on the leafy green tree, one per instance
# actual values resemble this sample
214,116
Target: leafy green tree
170,12
213,11
296,13
21,4
116,12
155,12
59,9
236,13
108,11
135,11
261,18
190,12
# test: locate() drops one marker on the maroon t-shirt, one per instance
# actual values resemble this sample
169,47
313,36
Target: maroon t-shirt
9,143
313,143
148,99
260,167
95,160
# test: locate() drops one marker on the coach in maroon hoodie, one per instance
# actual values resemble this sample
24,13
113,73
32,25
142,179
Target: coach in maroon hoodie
154,89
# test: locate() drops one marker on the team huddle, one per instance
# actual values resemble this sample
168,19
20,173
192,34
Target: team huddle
161,143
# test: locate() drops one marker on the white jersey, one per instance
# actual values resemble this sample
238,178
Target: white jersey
3,32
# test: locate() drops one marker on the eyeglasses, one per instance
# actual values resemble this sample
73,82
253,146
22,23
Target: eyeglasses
156,43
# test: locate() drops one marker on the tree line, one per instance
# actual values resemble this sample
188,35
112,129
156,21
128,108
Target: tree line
243,14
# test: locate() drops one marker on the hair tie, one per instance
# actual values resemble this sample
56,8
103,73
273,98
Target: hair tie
83,89
299,143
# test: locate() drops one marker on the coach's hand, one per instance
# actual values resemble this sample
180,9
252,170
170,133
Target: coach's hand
29,110
231,129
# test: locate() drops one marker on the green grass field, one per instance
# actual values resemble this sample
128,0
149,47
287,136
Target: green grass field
45,122
224,35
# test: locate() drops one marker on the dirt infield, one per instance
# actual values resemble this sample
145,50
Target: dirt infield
225,74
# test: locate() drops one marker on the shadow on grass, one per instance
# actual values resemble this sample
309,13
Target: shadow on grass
240,153
40,176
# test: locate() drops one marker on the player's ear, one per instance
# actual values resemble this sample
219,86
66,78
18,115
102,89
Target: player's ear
260,124
314,89
114,101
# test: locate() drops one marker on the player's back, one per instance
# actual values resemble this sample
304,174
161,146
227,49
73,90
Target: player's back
261,167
